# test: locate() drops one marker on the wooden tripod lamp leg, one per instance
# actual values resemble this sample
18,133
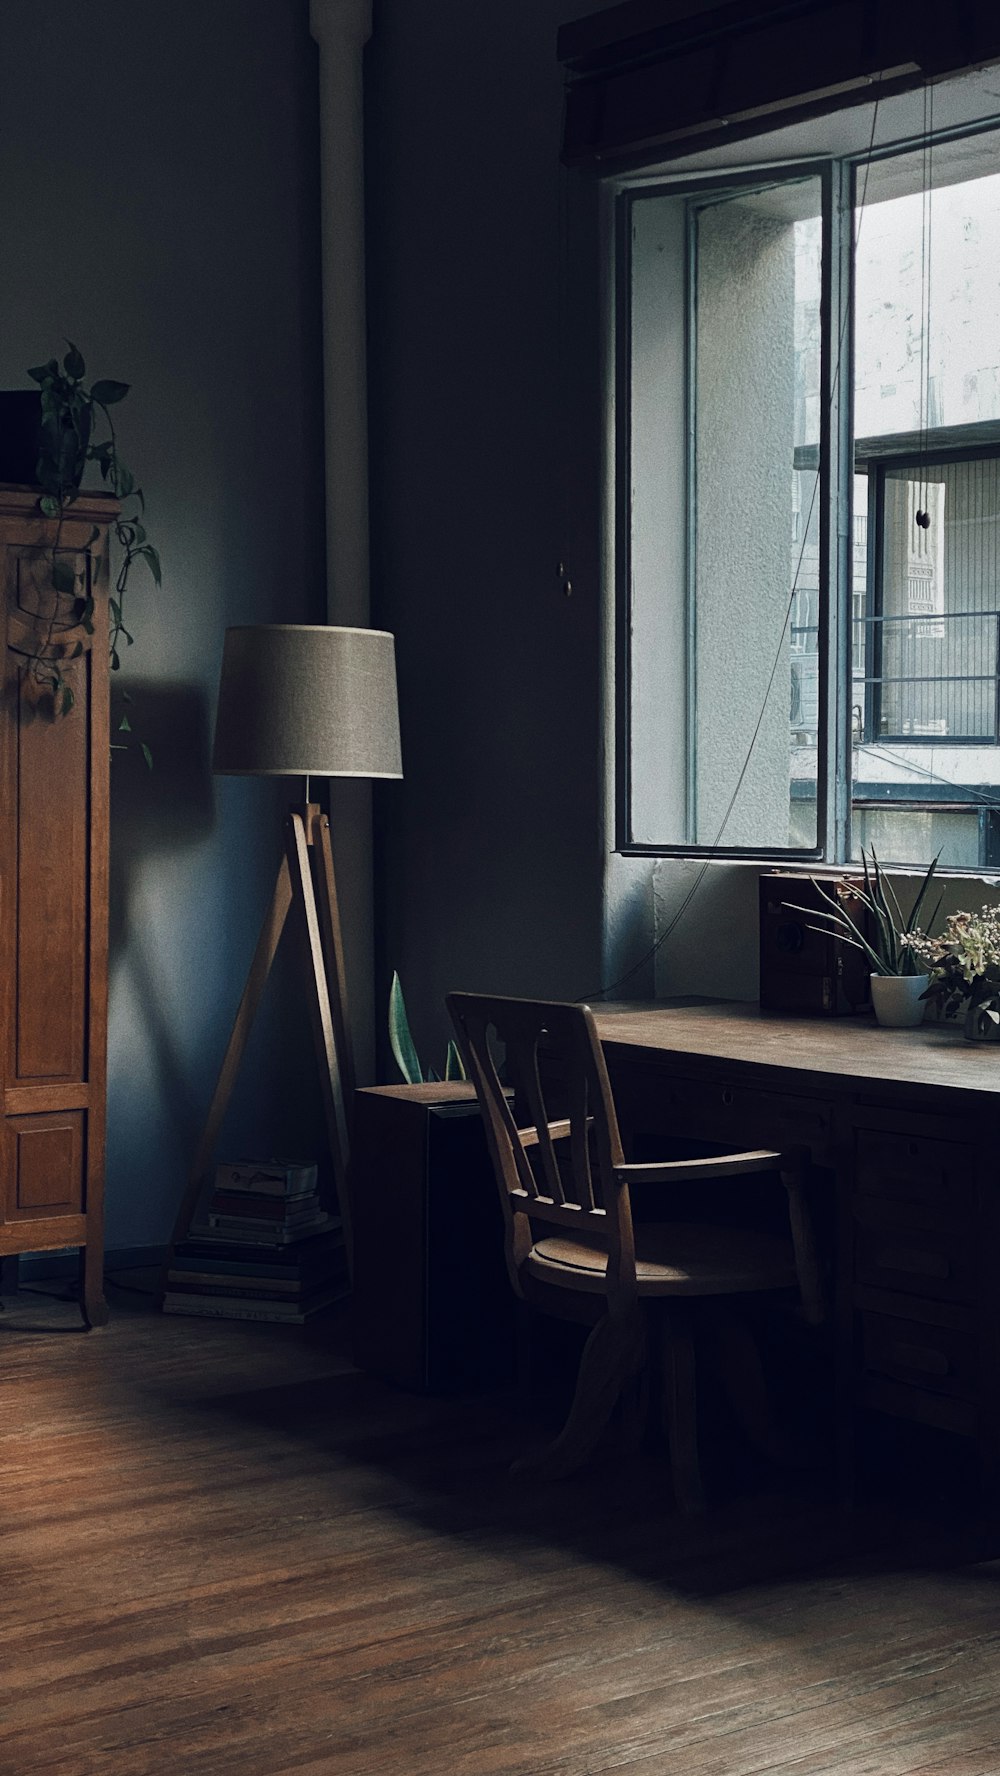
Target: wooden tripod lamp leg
260,968
333,948
325,1020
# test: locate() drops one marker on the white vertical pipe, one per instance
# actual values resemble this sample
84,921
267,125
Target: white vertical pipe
342,28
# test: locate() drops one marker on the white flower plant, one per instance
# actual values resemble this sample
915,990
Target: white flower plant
964,963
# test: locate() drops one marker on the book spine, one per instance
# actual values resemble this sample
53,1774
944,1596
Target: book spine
265,1180
272,1235
264,1201
192,1283
205,1307
250,1223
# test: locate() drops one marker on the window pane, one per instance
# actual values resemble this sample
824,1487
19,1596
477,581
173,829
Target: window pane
755,519
927,407
725,521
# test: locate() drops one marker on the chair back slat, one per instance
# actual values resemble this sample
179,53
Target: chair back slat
502,1131
522,1062
554,1154
581,1134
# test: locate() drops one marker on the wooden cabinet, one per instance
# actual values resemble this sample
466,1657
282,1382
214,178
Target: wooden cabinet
54,792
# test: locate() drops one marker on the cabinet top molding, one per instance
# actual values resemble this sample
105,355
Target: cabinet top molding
22,502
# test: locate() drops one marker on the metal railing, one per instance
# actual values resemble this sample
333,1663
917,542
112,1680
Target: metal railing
923,678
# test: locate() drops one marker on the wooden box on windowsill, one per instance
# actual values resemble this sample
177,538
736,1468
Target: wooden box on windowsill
804,969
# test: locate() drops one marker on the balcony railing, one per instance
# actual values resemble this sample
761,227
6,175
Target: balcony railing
918,678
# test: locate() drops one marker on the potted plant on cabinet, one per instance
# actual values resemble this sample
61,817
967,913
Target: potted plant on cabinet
865,912
48,440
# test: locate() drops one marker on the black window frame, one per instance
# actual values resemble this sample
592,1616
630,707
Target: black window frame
840,179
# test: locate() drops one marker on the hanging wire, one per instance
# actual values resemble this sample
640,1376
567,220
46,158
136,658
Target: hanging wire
923,514
654,948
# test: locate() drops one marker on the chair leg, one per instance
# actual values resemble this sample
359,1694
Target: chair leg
680,1408
612,1354
743,1377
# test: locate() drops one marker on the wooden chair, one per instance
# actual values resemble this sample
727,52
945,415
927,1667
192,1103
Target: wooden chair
570,1242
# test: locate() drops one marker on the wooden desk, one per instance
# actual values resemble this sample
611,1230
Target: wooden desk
907,1123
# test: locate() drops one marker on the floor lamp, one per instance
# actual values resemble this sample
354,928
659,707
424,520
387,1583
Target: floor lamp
298,700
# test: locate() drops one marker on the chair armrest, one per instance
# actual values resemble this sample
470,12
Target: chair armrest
726,1165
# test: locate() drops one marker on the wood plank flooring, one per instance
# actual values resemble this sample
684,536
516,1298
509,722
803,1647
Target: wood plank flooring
225,1553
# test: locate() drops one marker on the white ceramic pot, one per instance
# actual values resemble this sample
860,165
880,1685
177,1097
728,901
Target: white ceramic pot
897,1001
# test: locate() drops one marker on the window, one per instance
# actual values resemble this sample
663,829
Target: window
808,369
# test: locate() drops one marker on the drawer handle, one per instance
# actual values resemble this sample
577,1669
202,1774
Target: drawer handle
917,1356
727,1094
931,1264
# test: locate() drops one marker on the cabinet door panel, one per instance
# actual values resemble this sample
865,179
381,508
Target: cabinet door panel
45,1169
52,875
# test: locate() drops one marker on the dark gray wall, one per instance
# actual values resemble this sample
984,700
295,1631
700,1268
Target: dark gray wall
158,205
492,849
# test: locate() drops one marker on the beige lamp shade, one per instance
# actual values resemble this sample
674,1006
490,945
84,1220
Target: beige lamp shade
304,700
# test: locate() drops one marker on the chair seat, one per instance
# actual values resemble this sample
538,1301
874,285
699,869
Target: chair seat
675,1259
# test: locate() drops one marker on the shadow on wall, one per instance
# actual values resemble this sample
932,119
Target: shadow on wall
713,947
166,809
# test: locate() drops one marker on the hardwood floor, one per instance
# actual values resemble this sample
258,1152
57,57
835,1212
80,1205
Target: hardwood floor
222,1551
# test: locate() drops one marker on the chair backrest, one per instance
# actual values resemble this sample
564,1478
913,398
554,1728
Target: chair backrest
554,1169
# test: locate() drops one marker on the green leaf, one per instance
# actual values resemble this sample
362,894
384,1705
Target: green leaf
75,652
40,373
454,1066
63,576
151,557
66,701
116,664
147,755
73,363
49,505
95,533
400,1040
107,393
124,726
918,903
115,609
124,481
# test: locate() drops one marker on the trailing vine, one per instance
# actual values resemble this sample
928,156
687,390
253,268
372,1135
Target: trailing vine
69,410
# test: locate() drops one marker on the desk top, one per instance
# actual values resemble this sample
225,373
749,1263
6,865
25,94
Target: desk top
845,1051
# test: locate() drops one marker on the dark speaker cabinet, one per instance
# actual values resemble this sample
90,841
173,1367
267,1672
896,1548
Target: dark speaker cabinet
432,1303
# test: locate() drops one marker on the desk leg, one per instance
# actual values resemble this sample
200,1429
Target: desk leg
845,1405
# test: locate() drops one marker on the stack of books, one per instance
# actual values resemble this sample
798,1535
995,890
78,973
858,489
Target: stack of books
265,1250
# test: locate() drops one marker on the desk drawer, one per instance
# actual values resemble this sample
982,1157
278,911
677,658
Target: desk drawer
930,1262
916,1170
736,1115
936,1359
